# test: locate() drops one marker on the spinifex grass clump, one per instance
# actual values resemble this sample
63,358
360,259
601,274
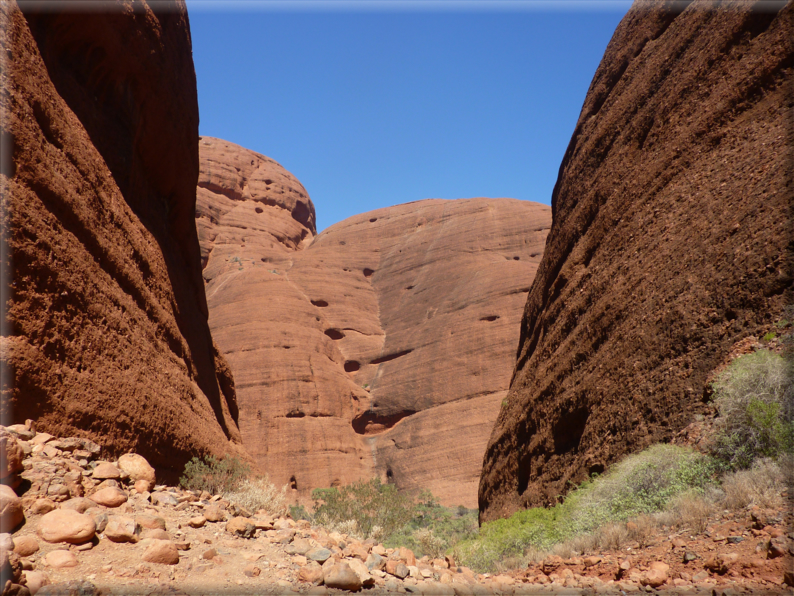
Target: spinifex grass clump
214,475
642,483
755,400
367,508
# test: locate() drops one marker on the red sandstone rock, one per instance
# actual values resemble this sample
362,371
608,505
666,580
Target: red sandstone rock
11,511
137,468
66,525
163,552
671,242
109,497
98,217
371,348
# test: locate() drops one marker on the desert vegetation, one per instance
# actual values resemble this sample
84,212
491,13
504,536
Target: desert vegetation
664,487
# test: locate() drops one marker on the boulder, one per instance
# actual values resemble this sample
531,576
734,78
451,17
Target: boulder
106,470
60,559
361,571
163,552
35,580
25,546
213,513
109,497
137,468
321,555
342,577
311,573
79,504
11,456
197,522
150,522
100,517
41,506
11,511
66,525
121,529
241,526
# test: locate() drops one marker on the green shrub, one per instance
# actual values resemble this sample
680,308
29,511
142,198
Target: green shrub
216,476
642,483
370,504
754,397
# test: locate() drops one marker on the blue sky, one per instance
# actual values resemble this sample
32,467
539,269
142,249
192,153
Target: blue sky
370,107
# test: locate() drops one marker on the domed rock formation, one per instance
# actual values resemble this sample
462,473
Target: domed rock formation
383,346
671,241
105,332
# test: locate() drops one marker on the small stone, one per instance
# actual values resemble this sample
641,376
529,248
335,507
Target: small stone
209,554
197,522
66,525
374,561
592,561
150,522
25,546
11,456
42,506
361,571
60,559
689,557
407,556
106,470
252,571
342,577
35,581
776,547
163,498
41,438
99,516
79,504
121,529
678,543
142,486
735,539
11,511
155,534
700,576
321,555
109,497
241,526
109,483
213,513
137,468
311,573
397,569
163,552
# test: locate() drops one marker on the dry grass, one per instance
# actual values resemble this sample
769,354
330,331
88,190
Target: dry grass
259,494
760,485
641,529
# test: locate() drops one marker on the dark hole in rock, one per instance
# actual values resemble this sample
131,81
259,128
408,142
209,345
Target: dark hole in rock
490,318
320,303
516,258
295,414
352,366
390,357
268,182
334,333
409,288
596,469
569,428
259,210
368,272
389,474
293,483
373,220
286,347
371,423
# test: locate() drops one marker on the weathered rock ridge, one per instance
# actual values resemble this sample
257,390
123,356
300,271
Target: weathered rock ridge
105,333
671,240
383,346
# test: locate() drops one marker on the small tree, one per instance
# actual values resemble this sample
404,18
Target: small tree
216,476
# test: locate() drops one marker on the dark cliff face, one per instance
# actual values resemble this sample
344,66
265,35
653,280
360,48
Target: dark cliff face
106,321
671,240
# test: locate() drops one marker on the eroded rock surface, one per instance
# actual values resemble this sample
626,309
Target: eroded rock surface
107,333
671,242
383,346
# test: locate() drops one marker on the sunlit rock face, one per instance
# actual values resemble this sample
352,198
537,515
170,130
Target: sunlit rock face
381,347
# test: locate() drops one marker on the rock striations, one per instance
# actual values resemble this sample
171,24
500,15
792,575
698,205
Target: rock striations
107,333
671,241
383,346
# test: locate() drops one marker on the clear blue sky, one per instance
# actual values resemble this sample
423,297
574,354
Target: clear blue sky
375,107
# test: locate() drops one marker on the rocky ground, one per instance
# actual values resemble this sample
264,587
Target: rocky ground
81,525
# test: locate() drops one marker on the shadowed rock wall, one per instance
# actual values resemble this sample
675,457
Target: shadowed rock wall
671,241
106,333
